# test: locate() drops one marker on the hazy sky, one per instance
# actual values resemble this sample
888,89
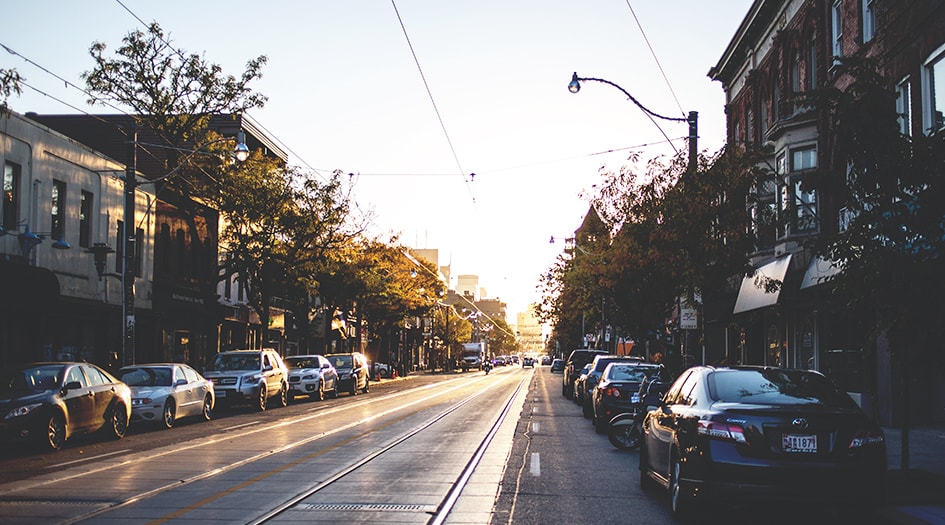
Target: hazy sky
345,92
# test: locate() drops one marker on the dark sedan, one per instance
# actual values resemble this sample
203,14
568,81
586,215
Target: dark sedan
753,432
47,403
617,391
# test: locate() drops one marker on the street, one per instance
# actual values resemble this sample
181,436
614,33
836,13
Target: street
503,448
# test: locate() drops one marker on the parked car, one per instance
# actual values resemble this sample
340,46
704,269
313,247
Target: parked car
165,392
528,361
47,403
572,368
352,372
758,432
545,360
557,365
618,390
312,376
579,383
600,362
382,369
249,376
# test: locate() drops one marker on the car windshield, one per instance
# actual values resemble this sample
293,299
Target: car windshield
301,362
341,361
224,362
625,373
776,387
35,379
146,376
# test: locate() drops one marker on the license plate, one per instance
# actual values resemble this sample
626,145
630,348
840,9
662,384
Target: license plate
220,393
635,398
799,443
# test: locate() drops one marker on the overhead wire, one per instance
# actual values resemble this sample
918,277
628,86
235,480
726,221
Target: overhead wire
433,101
655,59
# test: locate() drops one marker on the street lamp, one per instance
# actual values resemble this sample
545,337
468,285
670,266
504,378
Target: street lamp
693,119
241,152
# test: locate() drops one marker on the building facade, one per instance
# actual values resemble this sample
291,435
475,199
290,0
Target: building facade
62,200
782,49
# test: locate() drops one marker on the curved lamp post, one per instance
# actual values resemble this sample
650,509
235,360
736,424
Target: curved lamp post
693,119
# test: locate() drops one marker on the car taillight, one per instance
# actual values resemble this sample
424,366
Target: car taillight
612,391
867,438
723,431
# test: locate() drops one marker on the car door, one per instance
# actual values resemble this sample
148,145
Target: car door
184,392
103,393
269,372
79,401
329,375
661,427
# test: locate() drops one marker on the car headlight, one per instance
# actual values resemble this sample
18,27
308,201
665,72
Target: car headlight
140,401
21,411
252,378
309,377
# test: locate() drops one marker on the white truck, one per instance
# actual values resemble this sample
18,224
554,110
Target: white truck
473,355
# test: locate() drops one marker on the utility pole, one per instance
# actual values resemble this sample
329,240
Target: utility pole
128,251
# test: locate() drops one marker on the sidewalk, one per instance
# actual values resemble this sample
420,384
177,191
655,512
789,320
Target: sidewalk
917,495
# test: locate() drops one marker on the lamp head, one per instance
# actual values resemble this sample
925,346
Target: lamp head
574,86
241,152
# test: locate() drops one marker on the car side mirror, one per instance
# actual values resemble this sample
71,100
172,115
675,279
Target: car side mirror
180,382
326,365
72,385
267,368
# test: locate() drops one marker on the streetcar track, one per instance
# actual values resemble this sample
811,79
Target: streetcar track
231,466
18,486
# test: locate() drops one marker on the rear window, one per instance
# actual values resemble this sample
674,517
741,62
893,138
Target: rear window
628,373
776,387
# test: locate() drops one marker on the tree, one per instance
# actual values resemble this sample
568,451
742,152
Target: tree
10,81
173,95
892,252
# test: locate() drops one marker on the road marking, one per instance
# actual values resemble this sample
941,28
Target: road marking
83,460
536,465
535,426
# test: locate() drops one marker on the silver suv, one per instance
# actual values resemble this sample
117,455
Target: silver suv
312,376
249,376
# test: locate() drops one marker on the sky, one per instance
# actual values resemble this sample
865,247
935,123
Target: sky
413,97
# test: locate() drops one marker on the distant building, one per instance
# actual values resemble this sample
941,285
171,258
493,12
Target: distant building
529,332
467,285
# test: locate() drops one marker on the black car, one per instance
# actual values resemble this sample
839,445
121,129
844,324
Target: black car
617,391
572,368
758,432
47,403
598,365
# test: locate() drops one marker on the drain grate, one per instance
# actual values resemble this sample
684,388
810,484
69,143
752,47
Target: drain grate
368,507
35,501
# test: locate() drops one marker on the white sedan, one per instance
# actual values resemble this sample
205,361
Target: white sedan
166,392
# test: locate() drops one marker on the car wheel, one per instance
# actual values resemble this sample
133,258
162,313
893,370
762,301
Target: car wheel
586,409
354,387
169,412
55,432
682,503
600,426
320,393
263,398
284,396
367,385
117,421
207,411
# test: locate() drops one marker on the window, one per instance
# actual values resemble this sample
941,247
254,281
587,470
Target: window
933,92
869,20
764,214
904,106
836,29
812,64
799,204
11,195
85,219
58,210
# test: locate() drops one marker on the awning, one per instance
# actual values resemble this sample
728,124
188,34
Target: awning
27,288
752,293
819,272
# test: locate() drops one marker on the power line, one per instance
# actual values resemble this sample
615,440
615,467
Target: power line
658,65
433,102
